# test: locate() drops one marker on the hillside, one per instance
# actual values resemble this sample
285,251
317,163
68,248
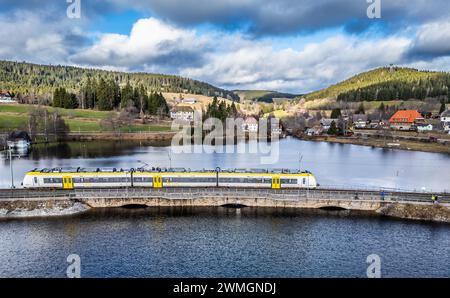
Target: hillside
262,95
32,80
388,84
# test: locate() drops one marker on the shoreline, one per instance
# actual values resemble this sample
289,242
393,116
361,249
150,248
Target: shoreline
405,145
138,136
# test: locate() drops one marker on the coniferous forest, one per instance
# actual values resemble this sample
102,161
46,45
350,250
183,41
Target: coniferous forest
389,83
85,88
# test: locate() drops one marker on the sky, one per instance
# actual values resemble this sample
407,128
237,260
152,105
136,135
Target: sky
295,46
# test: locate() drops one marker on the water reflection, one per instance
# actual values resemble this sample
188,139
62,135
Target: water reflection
222,242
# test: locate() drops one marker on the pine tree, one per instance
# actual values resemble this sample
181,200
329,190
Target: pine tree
333,130
336,113
103,96
442,109
361,109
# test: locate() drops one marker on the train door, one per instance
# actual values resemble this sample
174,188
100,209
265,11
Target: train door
157,182
67,182
276,182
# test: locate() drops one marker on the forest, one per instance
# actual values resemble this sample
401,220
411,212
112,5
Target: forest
33,83
389,83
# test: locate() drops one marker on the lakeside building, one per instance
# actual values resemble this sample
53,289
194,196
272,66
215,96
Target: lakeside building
5,97
18,140
445,120
182,113
359,121
405,119
250,124
424,127
275,128
326,123
316,130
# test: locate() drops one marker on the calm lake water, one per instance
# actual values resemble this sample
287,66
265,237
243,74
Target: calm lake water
221,242
333,164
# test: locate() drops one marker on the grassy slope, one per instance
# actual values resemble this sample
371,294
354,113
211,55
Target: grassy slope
251,94
376,76
16,116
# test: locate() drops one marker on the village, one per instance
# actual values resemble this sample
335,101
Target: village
375,128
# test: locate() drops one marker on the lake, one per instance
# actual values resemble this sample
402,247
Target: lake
227,242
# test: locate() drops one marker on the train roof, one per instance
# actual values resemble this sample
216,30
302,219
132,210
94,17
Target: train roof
162,170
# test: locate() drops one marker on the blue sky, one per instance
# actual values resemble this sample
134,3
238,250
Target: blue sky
287,45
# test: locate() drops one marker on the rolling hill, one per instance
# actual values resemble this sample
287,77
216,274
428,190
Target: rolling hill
27,79
388,84
262,95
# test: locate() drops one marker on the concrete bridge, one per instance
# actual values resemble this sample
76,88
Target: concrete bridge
351,199
411,205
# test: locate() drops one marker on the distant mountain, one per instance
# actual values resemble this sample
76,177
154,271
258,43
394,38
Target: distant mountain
40,80
263,95
388,83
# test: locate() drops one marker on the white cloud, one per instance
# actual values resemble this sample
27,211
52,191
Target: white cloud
224,59
150,43
257,65
432,40
37,38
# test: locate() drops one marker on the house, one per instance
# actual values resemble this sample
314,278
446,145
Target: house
275,127
316,130
190,101
445,120
182,113
5,97
326,123
424,127
405,119
375,124
359,121
250,124
18,140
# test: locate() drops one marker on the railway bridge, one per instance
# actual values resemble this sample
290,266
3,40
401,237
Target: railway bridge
322,198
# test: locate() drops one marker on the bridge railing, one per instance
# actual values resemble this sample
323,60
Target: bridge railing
198,193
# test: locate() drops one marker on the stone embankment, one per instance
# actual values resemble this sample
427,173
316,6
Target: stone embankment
66,206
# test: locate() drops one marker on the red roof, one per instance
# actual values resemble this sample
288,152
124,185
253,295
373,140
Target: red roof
406,116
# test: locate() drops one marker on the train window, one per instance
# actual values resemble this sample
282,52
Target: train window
289,181
304,181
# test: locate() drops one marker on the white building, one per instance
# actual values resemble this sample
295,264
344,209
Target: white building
190,101
359,121
5,97
275,127
326,123
250,125
424,127
182,113
445,120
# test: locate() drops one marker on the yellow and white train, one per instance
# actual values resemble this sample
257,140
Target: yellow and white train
69,178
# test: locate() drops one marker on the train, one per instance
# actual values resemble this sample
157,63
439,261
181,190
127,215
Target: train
74,178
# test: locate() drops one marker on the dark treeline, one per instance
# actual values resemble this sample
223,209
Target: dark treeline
431,87
269,98
107,95
220,110
33,82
